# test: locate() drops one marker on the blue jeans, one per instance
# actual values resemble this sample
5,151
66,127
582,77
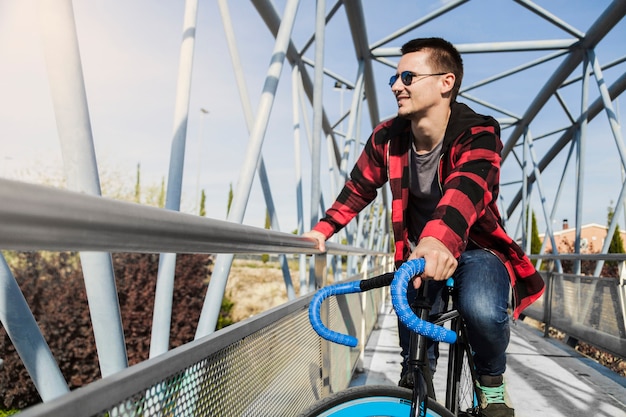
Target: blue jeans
482,295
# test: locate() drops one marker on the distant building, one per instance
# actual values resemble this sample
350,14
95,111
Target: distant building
592,238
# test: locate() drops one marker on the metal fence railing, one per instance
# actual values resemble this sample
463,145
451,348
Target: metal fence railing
272,363
586,308
267,364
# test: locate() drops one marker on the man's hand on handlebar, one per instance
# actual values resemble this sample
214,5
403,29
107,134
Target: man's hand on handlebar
440,263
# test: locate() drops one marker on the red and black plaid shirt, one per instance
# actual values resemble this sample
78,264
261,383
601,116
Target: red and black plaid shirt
467,213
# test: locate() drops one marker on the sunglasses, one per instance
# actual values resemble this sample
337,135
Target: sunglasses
407,77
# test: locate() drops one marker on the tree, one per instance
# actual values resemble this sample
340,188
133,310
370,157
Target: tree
162,193
268,224
230,199
617,244
202,203
53,286
138,185
535,240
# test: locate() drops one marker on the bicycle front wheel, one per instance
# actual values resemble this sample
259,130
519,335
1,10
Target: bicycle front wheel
461,393
371,401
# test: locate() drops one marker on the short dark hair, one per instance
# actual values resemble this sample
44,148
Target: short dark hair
443,57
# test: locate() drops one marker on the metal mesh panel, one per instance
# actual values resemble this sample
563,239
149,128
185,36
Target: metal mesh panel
584,307
345,316
588,301
270,365
537,309
274,371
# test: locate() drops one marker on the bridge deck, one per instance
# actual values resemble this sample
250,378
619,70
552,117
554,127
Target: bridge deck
544,377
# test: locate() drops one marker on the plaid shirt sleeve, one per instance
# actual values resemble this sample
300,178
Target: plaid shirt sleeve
369,174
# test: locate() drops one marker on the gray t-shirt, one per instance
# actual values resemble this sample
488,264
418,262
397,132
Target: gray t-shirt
424,192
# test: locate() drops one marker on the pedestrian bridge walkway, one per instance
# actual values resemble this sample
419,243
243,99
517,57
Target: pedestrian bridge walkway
274,364
544,377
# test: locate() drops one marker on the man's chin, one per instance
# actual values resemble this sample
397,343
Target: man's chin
403,113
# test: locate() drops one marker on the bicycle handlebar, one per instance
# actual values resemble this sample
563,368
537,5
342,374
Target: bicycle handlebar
316,320
405,314
399,284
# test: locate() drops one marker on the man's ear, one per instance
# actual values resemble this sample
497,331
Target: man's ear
447,83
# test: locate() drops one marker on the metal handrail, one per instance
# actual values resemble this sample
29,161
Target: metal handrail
620,257
35,217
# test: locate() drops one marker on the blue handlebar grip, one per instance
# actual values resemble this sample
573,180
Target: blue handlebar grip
406,315
314,312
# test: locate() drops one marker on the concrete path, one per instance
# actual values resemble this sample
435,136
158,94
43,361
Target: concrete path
544,377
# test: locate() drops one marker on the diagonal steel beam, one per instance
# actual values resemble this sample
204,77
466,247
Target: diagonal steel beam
611,16
356,21
270,16
595,108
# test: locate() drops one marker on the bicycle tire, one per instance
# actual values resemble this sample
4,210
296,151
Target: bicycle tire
371,401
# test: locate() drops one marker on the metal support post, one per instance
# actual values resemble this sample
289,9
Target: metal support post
20,325
72,116
295,94
319,269
162,315
621,290
247,110
580,160
217,285
547,301
318,109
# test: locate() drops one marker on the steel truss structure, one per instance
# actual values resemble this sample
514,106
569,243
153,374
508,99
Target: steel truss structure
541,90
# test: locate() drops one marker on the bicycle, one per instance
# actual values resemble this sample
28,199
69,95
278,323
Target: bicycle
393,401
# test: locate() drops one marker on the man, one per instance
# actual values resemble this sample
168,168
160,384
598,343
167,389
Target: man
442,162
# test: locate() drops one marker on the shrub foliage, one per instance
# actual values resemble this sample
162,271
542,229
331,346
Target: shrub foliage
53,286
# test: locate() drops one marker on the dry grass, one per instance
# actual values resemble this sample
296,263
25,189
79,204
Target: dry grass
255,287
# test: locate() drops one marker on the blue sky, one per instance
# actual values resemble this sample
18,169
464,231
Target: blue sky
130,54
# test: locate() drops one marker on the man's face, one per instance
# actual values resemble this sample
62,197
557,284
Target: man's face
424,90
